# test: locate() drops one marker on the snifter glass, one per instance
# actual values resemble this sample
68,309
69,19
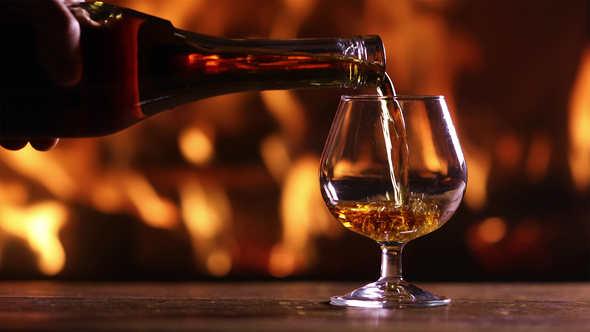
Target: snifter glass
392,170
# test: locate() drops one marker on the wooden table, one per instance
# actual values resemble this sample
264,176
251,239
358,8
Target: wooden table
284,306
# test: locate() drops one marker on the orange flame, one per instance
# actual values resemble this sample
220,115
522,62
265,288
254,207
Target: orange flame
206,212
579,123
491,230
304,216
433,54
479,163
196,145
154,210
39,224
53,176
275,154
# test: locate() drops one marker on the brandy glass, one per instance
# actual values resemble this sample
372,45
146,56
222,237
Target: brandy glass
392,169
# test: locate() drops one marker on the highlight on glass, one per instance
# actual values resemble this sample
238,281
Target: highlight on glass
392,170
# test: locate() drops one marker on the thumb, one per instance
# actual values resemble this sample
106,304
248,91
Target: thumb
58,40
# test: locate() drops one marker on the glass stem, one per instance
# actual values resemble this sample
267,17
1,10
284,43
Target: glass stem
391,261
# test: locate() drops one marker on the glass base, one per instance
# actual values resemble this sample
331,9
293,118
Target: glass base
390,294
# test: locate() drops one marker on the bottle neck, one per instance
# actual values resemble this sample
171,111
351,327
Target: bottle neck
365,53
175,67
197,66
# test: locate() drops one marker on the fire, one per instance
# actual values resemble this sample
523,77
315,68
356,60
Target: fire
429,153
479,164
153,209
491,230
38,224
206,212
193,192
304,216
303,213
275,154
288,111
579,123
196,145
53,177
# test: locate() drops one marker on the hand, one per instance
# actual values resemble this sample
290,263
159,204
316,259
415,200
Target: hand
40,144
58,50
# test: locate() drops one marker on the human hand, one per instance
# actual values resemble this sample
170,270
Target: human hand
58,51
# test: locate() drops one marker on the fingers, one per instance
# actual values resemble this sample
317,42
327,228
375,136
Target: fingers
58,49
58,40
40,144
13,144
44,144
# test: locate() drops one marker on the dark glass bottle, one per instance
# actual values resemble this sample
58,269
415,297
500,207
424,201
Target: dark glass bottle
136,65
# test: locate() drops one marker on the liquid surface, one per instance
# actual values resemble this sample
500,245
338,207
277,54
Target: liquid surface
386,222
398,209
365,207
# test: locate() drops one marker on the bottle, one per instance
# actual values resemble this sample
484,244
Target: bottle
136,65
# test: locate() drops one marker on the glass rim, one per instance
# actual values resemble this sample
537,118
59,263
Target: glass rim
363,97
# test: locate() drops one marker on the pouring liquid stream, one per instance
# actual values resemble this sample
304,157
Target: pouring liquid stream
394,135
386,89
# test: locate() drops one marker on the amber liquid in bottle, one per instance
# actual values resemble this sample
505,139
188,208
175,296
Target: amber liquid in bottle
135,66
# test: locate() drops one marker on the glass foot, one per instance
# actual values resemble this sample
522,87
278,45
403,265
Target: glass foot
390,294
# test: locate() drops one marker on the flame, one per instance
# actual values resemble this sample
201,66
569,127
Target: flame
154,210
275,154
428,149
107,195
288,111
579,126
206,212
304,216
284,260
492,230
219,262
429,53
480,164
196,145
53,177
39,224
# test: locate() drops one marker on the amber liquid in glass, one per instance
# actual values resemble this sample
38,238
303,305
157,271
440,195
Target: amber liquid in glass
385,221
386,214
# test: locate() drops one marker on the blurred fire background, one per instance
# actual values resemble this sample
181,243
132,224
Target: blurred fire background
227,187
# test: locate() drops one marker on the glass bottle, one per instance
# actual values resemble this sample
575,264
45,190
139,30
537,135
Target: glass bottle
136,65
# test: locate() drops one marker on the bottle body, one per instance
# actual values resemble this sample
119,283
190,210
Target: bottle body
135,65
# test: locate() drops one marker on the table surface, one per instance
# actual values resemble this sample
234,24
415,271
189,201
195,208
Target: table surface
285,306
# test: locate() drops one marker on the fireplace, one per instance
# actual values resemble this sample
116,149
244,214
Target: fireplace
227,187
